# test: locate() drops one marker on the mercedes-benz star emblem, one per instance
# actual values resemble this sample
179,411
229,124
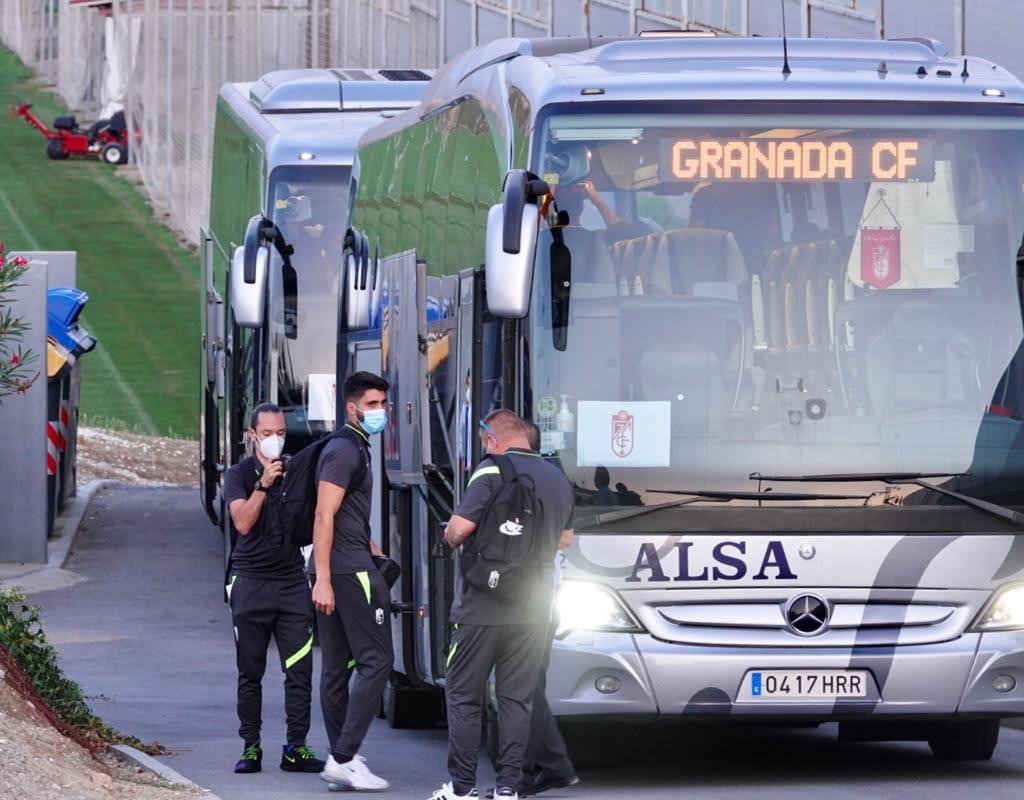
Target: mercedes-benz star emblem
807,615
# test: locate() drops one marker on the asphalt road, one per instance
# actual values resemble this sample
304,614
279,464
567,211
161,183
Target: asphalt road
142,626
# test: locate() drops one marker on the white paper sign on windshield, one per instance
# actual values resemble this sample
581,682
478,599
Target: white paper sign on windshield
623,434
320,401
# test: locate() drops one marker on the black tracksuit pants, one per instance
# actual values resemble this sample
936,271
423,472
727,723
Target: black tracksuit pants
356,636
282,609
547,750
515,653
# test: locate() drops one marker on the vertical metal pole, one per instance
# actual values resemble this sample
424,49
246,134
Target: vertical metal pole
258,45
224,42
441,16
207,129
314,34
129,111
632,18
384,33
509,25
745,17
476,23
290,28
370,46
169,109
805,18
189,97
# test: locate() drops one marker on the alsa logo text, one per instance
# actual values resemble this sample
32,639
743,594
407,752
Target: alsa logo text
730,561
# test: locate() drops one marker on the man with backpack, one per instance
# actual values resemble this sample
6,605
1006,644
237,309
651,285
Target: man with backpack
268,594
350,594
513,517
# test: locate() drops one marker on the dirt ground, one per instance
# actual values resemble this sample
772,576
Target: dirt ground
131,458
38,763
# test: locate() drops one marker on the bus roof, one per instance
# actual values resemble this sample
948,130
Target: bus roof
673,67
319,112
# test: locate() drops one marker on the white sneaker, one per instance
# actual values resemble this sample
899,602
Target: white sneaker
447,792
353,775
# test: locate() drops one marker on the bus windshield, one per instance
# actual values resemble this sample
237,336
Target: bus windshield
308,204
786,293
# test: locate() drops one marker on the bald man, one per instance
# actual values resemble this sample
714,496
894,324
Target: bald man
493,632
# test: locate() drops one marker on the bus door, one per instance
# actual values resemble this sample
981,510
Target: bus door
212,381
406,448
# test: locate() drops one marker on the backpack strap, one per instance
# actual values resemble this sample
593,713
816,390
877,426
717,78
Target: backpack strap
505,467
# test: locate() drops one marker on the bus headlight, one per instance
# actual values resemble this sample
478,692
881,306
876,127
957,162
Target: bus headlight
1005,611
583,606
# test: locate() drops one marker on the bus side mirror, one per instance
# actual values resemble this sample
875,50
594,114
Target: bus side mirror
511,243
248,285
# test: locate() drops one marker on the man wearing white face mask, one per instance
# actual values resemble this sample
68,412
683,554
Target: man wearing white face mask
351,596
269,596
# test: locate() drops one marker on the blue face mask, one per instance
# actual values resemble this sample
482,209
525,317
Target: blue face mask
374,420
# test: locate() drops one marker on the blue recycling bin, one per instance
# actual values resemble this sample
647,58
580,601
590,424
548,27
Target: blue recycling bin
67,341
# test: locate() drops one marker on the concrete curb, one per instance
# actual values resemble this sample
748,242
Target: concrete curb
68,523
161,770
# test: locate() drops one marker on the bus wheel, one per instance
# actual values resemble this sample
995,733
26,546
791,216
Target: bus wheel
965,741
408,707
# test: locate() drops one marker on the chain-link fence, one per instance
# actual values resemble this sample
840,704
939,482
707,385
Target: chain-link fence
164,60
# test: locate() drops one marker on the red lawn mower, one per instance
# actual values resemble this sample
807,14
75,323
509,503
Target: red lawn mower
106,139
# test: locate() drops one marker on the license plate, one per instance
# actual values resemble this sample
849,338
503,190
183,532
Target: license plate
792,684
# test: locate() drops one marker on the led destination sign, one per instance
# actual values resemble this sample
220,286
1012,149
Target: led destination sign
883,159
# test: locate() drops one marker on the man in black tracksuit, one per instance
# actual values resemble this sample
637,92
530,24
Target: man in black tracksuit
350,594
492,633
269,596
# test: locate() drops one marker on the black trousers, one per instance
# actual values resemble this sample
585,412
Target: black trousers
356,636
546,750
515,653
282,609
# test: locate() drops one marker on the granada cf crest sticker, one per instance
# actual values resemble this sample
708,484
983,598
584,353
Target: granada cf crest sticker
622,434
880,256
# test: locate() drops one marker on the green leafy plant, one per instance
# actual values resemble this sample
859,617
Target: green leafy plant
23,639
15,362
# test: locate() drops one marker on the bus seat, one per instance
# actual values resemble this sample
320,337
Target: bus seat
591,261
689,256
690,379
632,258
773,289
920,362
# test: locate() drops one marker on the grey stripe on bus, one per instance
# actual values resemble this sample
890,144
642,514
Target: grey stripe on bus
904,565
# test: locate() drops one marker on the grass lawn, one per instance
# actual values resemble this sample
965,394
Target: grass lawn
143,286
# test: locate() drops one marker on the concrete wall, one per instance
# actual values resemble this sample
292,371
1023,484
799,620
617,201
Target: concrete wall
23,434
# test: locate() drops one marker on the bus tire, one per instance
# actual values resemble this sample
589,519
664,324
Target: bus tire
965,741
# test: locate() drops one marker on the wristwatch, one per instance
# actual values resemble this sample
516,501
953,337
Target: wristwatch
261,488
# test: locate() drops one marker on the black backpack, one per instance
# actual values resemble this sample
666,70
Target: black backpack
298,491
506,552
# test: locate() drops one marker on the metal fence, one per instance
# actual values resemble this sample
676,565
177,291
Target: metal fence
165,60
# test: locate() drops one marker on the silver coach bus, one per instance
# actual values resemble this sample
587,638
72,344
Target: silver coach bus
768,320
271,257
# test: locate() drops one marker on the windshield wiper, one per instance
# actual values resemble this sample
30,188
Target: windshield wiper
600,520
911,478
696,495
721,494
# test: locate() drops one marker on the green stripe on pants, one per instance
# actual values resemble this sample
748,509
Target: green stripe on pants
364,579
299,654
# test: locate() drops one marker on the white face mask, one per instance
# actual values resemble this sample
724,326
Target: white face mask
272,446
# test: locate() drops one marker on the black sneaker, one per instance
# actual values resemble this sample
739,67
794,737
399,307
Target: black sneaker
300,759
505,793
545,780
251,760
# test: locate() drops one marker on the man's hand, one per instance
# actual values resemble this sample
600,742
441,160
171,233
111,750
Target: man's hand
273,471
374,550
323,596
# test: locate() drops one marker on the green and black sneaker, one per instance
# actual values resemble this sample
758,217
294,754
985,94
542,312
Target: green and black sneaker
251,760
299,758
